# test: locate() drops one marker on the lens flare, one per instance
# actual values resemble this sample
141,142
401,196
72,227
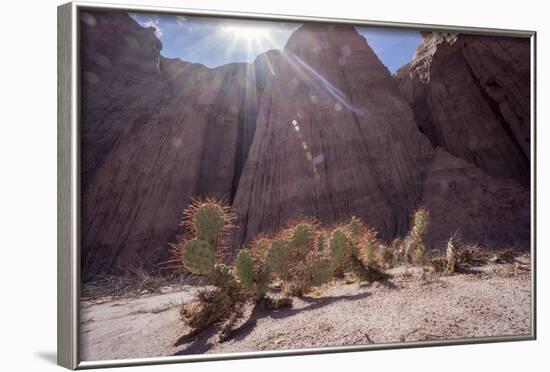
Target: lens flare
248,33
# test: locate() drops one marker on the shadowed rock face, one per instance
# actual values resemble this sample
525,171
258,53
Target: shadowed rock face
122,85
491,212
195,144
470,95
318,129
192,147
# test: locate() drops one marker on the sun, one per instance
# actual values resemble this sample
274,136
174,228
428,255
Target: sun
246,33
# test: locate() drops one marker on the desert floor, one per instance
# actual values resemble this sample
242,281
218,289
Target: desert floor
491,300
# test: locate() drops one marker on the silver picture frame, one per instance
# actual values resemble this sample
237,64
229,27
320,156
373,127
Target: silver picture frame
68,186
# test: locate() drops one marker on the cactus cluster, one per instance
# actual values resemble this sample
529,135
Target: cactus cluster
297,257
300,257
360,255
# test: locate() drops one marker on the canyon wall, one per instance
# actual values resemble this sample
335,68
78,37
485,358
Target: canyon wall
319,128
471,96
194,144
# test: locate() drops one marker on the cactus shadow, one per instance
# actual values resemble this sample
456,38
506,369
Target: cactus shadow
196,343
469,270
313,303
199,343
384,283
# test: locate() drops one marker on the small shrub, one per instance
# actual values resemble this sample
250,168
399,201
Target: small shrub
507,256
386,256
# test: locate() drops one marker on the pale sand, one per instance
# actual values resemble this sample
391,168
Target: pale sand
493,301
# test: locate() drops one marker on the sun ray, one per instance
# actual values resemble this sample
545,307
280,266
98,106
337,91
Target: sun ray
319,82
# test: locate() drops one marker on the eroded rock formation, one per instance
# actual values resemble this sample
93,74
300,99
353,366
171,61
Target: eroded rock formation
471,96
319,129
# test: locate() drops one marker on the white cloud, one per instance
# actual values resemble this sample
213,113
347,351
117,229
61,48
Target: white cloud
181,20
147,21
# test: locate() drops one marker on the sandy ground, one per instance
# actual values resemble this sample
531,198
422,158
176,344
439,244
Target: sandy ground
493,300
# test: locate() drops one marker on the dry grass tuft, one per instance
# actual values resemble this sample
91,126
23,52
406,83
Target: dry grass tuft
131,283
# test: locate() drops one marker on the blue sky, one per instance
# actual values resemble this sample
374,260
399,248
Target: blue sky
394,47
217,41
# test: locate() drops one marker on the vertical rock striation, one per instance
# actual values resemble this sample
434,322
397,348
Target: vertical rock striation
333,139
122,85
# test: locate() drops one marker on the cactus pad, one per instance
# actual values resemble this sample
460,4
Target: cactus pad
321,272
198,256
261,247
338,245
321,244
245,269
278,256
209,221
355,227
302,236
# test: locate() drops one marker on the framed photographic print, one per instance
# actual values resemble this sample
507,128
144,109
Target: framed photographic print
239,185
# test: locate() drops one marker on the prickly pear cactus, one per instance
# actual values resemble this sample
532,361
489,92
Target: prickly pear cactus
321,272
278,257
209,221
252,275
302,237
369,247
338,246
198,256
322,244
354,227
244,269
261,282
261,248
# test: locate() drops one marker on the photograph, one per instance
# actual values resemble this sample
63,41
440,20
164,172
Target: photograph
261,184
